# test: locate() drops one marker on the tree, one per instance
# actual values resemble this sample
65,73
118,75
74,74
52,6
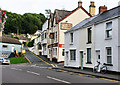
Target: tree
23,24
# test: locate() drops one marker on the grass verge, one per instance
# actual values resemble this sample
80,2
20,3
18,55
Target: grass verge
18,60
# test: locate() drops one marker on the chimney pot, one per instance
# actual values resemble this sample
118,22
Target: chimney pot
79,3
102,9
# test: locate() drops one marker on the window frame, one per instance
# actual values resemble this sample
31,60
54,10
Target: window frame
71,38
73,58
6,46
107,35
107,55
89,35
89,57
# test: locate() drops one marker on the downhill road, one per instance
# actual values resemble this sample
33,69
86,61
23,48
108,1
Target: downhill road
40,72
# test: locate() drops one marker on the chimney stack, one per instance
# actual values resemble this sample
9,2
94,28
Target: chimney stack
92,8
102,9
119,3
79,3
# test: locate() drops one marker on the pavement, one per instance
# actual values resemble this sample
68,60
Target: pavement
112,76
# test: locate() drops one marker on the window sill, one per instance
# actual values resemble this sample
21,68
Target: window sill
108,64
89,43
71,43
88,63
72,60
108,38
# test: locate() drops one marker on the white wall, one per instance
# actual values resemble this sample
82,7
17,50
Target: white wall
101,43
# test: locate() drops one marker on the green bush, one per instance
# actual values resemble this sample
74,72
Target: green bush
30,44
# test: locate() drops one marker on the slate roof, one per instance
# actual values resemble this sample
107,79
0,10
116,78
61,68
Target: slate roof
105,15
60,14
98,18
9,40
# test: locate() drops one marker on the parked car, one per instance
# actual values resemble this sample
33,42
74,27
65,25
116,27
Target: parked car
6,61
1,60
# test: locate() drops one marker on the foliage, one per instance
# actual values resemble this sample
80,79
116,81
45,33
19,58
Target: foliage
17,38
18,60
31,43
23,24
12,36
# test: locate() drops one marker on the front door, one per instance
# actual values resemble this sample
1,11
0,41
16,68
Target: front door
98,55
81,59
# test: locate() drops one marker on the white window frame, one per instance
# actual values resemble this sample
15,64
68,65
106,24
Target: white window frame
71,38
74,55
108,55
107,30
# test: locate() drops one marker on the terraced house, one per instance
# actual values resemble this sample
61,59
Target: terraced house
60,21
95,39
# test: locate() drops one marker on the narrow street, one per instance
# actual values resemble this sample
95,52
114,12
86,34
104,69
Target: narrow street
40,72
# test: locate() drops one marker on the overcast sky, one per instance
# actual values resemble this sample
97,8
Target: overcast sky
39,6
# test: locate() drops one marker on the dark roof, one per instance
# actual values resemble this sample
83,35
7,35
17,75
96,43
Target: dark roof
100,17
6,36
9,40
105,16
60,14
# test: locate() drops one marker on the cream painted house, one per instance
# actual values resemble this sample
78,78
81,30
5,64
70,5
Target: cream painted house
62,21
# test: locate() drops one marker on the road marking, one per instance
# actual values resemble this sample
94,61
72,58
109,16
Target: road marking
33,73
16,69
52,65
28,60
58,80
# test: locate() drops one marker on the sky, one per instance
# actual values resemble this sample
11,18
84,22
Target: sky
39,6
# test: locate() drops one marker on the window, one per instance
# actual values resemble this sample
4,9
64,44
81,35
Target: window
63,52
5,46
56,36
39,47
45,35
55,51
72,54
89,35
109,55
89,55
109,30
71,35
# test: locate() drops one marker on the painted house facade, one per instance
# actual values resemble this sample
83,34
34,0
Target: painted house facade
95,39
62,21
107,39
37,43
44,38
8,46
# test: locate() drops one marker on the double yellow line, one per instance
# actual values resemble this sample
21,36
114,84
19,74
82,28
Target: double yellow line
28,60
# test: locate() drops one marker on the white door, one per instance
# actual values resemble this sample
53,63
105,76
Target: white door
97,55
